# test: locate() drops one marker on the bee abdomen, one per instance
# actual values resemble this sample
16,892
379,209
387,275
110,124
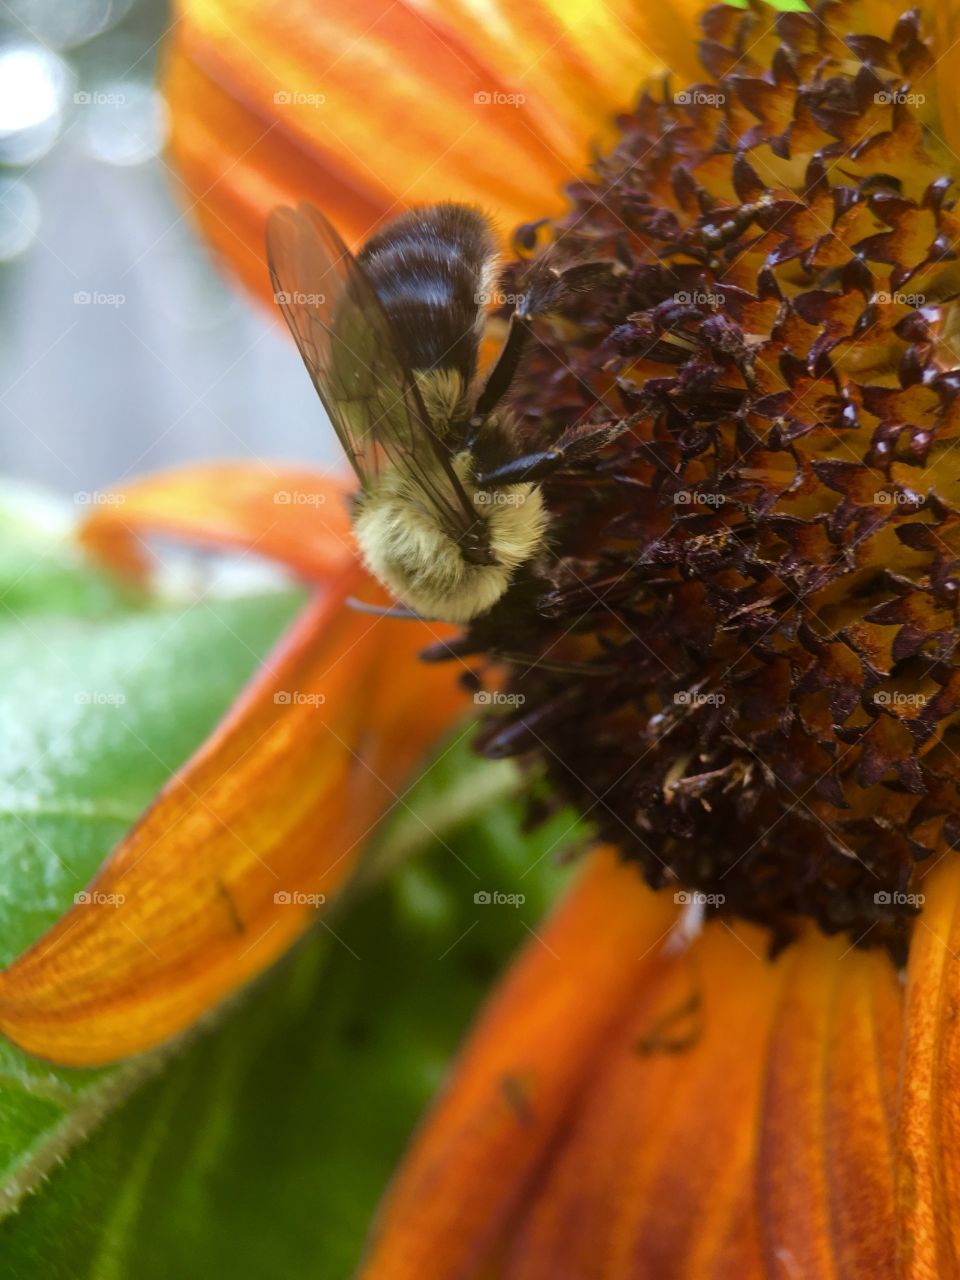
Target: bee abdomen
430,269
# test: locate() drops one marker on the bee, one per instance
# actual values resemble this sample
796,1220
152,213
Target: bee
448,507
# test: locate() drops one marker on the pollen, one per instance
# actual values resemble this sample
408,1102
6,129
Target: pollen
741,647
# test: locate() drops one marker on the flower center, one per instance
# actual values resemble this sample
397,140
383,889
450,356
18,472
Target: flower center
741,650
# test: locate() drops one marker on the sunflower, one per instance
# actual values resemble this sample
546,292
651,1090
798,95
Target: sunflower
733,1051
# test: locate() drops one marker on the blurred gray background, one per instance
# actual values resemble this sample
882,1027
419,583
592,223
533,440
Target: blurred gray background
121,348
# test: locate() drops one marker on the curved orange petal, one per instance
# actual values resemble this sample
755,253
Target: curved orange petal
368,107
221,874
236,165
825,1165
290,514
654,1176
525,1063
732,1118
928,1131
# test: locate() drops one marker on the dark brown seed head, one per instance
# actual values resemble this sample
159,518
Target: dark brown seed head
743,661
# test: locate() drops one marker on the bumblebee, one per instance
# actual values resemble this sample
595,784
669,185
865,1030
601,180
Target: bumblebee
448,507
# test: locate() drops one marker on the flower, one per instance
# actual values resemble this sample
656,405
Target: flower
764,594
741,664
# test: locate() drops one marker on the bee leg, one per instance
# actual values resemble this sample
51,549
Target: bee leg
548,288
502,374
532,466
574,445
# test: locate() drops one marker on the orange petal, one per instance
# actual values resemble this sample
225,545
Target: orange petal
928,1132
659,1173
371,106
654,1174
663,1148
825,1166
293,515
522,1068
236,164
221,873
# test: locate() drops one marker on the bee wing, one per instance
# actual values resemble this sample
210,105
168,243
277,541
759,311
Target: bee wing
348,345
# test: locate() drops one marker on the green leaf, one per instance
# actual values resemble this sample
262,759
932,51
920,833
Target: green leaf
41,567
260,1153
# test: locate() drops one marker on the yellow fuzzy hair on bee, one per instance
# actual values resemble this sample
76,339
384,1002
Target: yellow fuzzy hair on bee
406,548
